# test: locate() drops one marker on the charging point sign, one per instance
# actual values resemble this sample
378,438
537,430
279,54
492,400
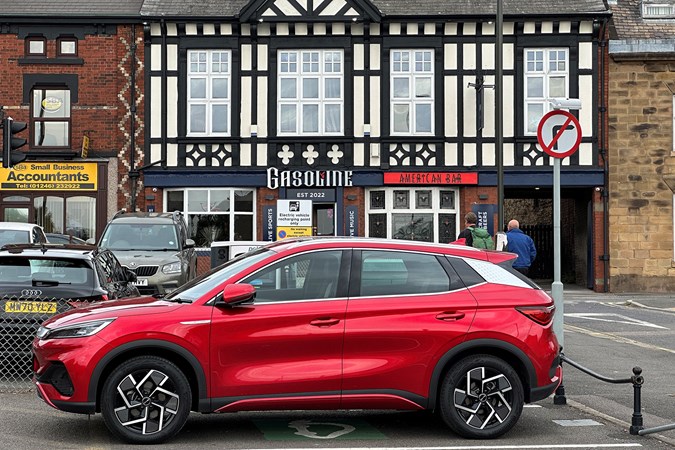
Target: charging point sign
559,133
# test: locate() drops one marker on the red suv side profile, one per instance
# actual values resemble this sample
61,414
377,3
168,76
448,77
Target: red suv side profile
312,323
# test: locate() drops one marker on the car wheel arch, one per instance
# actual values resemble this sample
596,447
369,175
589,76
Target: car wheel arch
180,356
504,350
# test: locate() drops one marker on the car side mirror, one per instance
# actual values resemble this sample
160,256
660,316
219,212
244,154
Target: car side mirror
91,241
236,294
130,275
189,243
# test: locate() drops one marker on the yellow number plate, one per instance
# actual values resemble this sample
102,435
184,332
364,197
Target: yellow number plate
30,307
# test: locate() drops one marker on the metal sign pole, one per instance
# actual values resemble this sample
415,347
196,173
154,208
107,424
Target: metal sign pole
557,287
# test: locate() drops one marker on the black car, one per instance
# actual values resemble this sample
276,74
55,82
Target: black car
62,271
40,280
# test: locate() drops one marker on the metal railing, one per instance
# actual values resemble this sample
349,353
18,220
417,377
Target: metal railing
637,380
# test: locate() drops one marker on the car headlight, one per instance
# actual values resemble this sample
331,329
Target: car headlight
174,267
74,331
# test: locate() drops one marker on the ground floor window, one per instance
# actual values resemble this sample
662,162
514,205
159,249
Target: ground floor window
215,214
418,214
74,215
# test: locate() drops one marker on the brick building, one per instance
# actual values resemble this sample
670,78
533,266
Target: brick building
641,146
68,70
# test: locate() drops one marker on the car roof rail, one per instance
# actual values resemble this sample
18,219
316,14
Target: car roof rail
120,212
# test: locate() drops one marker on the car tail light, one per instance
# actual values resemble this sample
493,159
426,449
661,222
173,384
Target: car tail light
543,315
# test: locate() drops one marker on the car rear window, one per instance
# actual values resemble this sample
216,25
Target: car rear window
13,237
25,270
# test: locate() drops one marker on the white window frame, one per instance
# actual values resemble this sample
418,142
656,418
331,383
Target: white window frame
209,71
207,207
657,10
413,208
298,67
533,71
413,70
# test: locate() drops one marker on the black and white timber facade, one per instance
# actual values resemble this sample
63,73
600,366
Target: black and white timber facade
388,105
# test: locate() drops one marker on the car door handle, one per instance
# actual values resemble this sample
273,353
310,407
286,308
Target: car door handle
450,316
324,322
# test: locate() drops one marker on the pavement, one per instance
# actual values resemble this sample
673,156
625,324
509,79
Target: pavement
645,299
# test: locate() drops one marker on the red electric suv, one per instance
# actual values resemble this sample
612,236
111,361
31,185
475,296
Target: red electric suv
312,323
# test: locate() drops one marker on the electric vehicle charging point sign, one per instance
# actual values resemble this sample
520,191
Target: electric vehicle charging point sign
559,133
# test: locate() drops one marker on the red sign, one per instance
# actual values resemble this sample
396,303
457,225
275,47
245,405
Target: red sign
426,178
559,133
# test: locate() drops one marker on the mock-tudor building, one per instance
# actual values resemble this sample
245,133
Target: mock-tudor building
642,148
380,115
263,119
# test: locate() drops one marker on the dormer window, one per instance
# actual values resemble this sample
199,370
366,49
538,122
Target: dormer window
66,47
658,10
36,46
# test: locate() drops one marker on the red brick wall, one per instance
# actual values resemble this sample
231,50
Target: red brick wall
103,77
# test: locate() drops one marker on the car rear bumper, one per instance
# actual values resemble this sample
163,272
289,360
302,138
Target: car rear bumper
542,392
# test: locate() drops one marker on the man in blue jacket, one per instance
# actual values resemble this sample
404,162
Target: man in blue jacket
522,245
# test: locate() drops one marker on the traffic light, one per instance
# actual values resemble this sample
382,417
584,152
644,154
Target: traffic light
11,144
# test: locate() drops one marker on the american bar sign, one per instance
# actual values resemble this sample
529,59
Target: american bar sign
427,178
50,176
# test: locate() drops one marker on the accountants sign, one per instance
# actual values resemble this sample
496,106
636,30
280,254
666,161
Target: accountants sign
50,176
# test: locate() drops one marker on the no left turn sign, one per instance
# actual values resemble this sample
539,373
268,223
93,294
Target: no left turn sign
559,133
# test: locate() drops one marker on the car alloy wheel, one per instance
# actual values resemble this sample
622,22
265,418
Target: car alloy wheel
481,397
146,400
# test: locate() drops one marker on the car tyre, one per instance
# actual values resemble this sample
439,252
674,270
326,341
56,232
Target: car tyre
481,397
146,400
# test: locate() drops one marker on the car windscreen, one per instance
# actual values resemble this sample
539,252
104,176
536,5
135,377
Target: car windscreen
140,236
32,271
199,286
14,237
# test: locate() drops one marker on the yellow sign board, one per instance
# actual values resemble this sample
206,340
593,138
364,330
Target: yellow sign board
50,176
288,232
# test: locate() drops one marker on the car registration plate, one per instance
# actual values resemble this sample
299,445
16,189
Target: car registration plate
30,307
141,282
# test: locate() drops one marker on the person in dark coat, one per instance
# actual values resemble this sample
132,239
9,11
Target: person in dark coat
470,220
522,245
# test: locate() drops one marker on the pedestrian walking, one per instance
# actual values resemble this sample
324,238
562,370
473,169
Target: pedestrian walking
465,236
522,245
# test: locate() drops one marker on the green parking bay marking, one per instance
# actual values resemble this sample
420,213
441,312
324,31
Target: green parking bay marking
317,429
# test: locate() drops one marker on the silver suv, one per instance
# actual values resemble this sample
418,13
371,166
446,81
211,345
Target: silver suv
153,245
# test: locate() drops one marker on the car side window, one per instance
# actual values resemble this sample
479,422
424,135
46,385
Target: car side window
401,273
468,275
308,276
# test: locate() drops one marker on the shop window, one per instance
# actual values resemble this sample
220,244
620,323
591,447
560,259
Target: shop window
226,214
74,215
36,46
431,217
66,47
50,113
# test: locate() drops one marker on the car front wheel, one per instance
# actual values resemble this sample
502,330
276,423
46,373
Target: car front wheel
146,400
481,397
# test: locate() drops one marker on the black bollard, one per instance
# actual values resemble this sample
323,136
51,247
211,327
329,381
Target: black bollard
636,420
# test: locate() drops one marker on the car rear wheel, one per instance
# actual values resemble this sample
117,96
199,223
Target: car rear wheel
146,400
481,397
